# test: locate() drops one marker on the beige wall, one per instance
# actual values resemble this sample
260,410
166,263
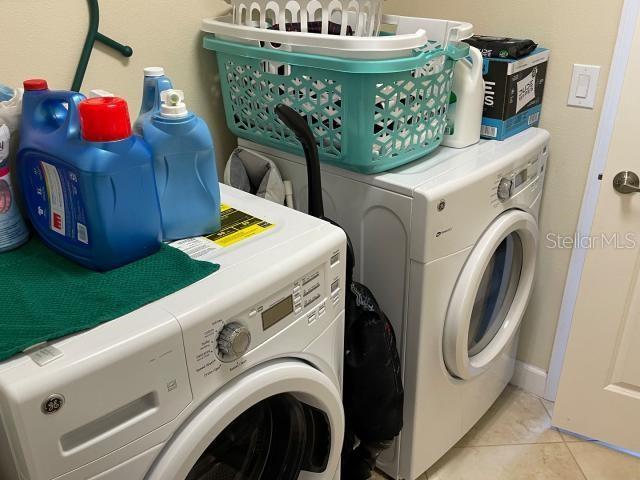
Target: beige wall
577,31
43,38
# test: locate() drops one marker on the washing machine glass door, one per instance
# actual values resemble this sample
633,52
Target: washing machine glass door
277,438
491,295
281,420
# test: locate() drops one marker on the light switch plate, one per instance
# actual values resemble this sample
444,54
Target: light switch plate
584,86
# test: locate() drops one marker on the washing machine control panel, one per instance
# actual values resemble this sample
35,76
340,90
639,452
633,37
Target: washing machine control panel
308,296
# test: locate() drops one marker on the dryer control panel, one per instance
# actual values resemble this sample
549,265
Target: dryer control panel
514,181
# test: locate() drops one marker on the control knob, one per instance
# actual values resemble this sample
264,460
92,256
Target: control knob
233,341
504,189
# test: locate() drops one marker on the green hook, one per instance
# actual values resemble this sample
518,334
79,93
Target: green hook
94,35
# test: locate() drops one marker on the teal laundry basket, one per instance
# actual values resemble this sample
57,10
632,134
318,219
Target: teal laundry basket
367,115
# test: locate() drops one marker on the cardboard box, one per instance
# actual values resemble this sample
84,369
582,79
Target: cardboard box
513,94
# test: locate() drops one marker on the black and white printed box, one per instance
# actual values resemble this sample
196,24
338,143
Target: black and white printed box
513,94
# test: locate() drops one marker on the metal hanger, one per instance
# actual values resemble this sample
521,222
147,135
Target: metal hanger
93,36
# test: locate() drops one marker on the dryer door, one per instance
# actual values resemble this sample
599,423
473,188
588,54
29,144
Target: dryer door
491,295
281,421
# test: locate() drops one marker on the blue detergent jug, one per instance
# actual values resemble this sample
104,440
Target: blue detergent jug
155,82
88,182
185,167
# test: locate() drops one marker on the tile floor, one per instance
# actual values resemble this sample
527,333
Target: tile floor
515,441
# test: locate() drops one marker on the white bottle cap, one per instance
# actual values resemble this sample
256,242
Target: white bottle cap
173,104
153,72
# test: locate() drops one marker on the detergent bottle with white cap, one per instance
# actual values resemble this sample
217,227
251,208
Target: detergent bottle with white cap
155,82
185,168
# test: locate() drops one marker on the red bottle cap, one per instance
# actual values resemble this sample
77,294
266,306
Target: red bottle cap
35,84
104,119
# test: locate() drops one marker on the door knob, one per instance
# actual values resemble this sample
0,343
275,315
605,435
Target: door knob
626,182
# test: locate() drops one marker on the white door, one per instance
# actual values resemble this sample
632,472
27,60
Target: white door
281,421
599,393
491,295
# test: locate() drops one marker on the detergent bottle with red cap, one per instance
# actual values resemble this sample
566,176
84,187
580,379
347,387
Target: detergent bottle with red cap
88,182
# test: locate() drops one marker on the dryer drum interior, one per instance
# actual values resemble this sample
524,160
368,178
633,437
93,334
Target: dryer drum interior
276,438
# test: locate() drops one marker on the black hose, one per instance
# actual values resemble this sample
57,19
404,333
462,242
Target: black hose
301,130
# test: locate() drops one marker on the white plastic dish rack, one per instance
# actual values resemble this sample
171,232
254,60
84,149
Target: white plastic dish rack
363,16
405,36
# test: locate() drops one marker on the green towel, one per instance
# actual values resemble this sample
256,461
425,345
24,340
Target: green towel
44,296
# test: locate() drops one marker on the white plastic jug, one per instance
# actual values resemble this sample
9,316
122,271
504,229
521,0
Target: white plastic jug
465,112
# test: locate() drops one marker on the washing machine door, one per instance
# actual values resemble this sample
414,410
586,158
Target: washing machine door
491,295
281,421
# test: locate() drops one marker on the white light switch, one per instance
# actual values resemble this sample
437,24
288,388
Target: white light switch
582,90
584,86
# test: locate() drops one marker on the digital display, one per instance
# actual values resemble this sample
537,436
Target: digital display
520,178
280,310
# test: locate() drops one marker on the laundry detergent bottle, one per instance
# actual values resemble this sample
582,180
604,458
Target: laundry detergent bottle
88,183
185,168
464,118
155,82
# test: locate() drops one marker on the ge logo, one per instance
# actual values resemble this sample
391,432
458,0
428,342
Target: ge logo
53,404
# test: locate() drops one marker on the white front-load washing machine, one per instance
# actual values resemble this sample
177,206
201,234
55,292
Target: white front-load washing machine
235,377
448,246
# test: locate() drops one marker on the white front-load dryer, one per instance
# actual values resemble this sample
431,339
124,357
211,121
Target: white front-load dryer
237,376
448,245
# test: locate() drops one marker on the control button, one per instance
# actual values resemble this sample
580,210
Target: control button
322,309
233,341
311,317
335,297
504,189
296,290
253,313
298,307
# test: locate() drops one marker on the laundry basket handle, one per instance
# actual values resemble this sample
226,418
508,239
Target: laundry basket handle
298,125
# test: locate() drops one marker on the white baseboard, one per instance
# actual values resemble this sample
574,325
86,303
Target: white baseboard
529,378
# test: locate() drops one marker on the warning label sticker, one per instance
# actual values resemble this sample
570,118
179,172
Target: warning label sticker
236,226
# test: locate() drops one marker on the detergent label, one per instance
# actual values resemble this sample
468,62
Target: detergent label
13,230
236,226
4,146
58,201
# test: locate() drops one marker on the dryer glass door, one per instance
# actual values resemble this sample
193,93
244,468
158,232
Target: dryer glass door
276,438
495,294
491,295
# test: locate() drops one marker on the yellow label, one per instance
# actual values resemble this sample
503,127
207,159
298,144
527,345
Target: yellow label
237,226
